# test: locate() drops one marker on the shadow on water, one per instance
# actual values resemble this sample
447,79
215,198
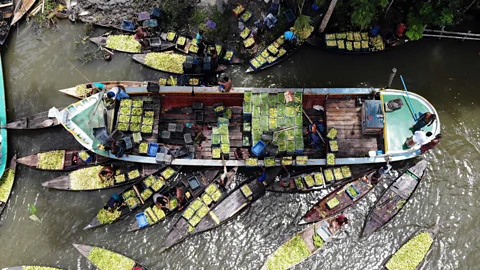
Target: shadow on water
445,72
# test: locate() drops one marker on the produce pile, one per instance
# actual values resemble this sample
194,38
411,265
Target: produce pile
108,217
168,62
270,54
199,208
133,118
82,90
107,260
39,268
271,113
167,173
6,183
220,135
410,255
154,215
124,43
290,253
52,160
87,179
354,41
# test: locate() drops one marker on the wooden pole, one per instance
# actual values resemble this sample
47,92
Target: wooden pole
327,16
392,75
310,120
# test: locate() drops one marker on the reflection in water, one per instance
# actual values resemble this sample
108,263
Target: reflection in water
445,72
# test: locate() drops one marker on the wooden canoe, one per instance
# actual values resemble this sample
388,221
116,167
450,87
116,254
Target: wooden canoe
320,211
180,230
433,234
68,162
140,187
102,41
85,250
108,84
21,9
36,267
287,184
306,236
204,178
140,58
7,9
226,209
394,198
7,185
65,182
36,121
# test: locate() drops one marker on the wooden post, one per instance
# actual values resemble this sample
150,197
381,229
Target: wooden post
327,16
392,75
441,33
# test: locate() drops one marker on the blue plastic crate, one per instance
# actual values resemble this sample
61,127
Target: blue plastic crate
128,25
142,16
152,149
315,7
290,15
141,220
258,148
150,23
155,12
350,195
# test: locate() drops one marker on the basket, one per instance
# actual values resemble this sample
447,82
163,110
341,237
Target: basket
141,220
352,196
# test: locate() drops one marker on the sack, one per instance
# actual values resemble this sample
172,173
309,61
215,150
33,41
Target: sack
394,104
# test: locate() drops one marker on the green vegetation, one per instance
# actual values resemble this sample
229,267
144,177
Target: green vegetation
167,173
52,160
125,43
82,90
410,255
108,217
6,184
87,179
290,253
169,62
39,268
107,260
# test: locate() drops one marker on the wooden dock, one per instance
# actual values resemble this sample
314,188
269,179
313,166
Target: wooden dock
343,115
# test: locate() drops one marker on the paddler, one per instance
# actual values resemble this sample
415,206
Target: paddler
106,173
226,85
419,137
161,201
116,93
338,223
431,145
114,202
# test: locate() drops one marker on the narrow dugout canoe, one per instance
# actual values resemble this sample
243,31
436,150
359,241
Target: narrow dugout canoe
31,268
61,160
86,89
394,198
105,259
102,41
21,9
36,121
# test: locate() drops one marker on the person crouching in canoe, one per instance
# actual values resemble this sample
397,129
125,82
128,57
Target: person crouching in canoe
338,223
161,201
114,202
106,173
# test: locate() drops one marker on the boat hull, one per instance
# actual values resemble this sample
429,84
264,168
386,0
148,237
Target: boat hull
85,251
9,170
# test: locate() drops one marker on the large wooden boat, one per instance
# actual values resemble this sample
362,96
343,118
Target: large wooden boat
314,179
21,9
31,267
304,244
7,9
61,160
36,121
135,196
102,41
413,251
210,197
3,121
340,199
6,183
140,58
87,179
105,259
366,133
234,203
192,186
394,198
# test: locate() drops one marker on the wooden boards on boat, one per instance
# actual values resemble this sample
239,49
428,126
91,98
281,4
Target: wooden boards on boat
340,199
229,207
21,10
105,259
81,180
301,246
394,198
6,183
68,160
36,121
194,185
131,198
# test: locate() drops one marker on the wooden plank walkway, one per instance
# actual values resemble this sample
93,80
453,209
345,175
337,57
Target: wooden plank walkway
346,118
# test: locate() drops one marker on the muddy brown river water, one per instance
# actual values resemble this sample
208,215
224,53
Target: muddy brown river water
445,72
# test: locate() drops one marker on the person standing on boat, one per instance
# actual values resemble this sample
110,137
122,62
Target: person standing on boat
431,145
226,85
291,39
425,119
419,137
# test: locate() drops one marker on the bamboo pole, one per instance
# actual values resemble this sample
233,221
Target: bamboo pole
327,16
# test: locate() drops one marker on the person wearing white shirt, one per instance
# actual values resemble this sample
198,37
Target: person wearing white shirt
419,137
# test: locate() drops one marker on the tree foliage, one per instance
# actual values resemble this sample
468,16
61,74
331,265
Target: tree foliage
365,12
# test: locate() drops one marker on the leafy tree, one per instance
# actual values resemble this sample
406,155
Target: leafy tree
366,11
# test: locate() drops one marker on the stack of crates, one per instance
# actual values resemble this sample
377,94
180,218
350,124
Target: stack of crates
265,113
